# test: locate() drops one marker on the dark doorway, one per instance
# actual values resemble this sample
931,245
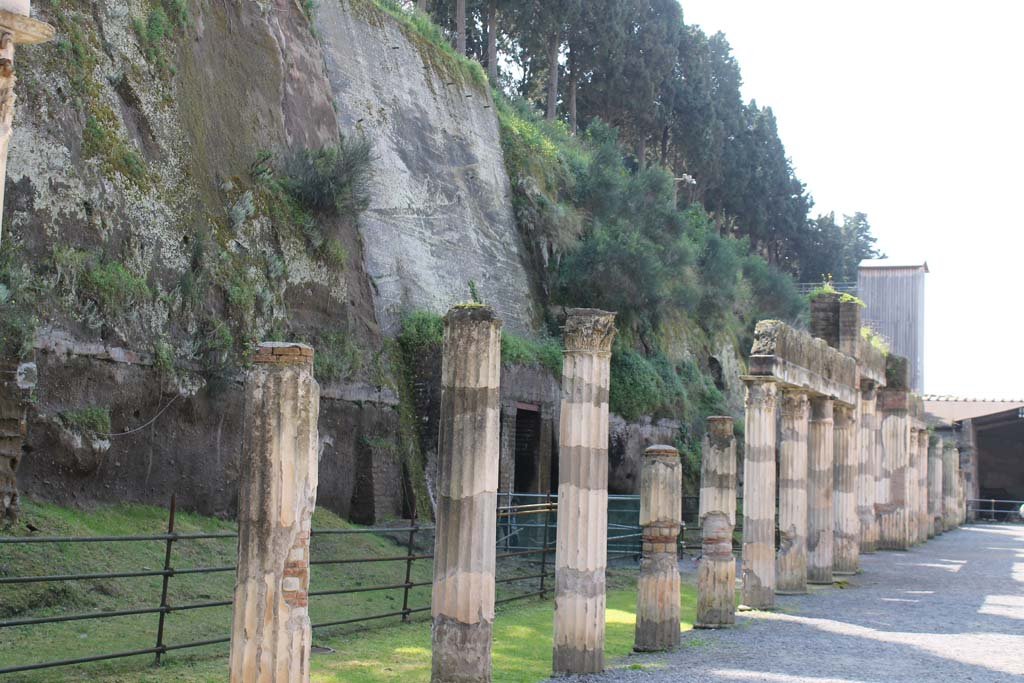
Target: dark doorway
527,450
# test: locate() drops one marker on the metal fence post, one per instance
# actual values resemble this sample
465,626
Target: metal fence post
544,549
166,580
408,570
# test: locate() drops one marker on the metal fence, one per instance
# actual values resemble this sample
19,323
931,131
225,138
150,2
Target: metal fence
805,288
537,561
995,510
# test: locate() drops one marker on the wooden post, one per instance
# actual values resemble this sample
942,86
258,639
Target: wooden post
270,633
716,574
661,507
581,545
759,494
462,603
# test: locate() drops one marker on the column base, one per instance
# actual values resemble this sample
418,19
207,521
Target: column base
462,652
571,660
836,573
790,592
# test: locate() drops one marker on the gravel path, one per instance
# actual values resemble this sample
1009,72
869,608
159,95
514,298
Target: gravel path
950,610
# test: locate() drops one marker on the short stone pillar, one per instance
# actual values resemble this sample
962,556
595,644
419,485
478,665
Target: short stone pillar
820,514
846,548
462,604
759,494
935,490
661,515
950,477
716,573
922,486
866,468
270,632
791,561
581,552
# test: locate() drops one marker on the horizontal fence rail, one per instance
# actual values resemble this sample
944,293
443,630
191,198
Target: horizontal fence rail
526,538
996,510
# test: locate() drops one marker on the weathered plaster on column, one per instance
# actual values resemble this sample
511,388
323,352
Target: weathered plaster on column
791,561
462,602
922,486
661,506
935,489
581,545
716,573
820,517
895,447
866,469
759,494
846,548
270,634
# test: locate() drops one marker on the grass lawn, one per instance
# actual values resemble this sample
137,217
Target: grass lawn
374,651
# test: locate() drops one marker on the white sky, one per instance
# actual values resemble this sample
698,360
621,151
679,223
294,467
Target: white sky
912,112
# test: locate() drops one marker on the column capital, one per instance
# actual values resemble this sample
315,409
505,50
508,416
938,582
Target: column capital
761,392
821,408
842,415
589,330
795,403
868,390
283,353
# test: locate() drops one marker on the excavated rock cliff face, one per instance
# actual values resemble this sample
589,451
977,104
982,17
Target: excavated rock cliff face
142,224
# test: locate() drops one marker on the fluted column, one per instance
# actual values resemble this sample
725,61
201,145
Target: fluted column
759,494
912,477
935,490
820,514
270,633
950,473
922,486
581,544
895,446
661,508
866,472
462,603
846,548
716,573
791,560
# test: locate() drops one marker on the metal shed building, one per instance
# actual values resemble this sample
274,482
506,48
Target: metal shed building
894,294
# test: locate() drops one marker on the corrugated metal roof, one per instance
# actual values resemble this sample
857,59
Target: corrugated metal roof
892,263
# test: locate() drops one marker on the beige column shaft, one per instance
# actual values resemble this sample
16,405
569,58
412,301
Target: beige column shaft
270,632
716,573
866,472
895,447
922,486
912,477
935,489
820,513
462,604
759,495
581,545
846,549
791,560
661,506
950,473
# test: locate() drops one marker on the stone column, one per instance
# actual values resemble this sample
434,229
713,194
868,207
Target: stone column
581,551
661,508
270,633
791,561
846,548
922,486
759,494
935,490
462,603
895,444
912,476
820,517
16,28
866,469
949,479
716,573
